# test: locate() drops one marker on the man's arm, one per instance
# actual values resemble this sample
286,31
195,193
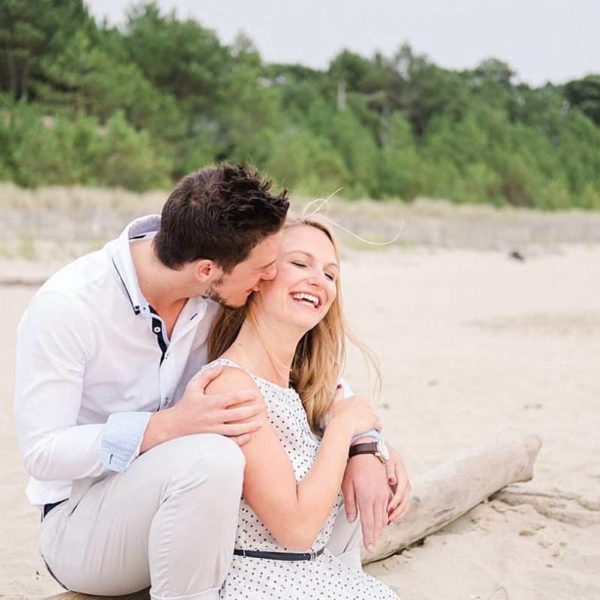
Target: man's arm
54,341
378,493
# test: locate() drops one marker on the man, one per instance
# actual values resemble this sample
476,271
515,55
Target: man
137,471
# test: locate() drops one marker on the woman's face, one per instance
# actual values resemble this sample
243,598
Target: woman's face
306,282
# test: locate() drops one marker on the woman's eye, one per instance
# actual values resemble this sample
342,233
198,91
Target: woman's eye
330,276
298,264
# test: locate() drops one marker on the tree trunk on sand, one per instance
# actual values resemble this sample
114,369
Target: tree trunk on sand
448,491
439,496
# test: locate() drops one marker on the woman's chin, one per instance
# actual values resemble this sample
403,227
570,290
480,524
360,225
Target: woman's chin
307,322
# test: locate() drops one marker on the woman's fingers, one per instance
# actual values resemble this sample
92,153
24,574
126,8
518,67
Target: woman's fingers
400,511
390,472
400,501
401,488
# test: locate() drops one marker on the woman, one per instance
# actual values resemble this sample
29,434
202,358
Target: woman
292,332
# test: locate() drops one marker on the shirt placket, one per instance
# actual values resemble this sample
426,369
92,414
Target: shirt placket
167,369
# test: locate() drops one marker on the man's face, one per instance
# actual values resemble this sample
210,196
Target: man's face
232,289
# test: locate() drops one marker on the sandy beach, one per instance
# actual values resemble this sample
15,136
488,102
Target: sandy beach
470,342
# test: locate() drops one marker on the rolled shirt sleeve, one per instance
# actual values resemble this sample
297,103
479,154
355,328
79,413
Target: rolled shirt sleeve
372,433
347,391
121,439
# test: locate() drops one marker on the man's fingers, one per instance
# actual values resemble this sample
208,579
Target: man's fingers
349,502
200,382
368,527
237,429
240,413
379,519
239,397
384,518
240,440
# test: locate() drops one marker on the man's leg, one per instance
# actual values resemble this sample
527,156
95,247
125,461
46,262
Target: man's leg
170,521
346,540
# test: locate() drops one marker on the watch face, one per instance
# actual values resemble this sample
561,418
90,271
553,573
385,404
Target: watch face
383,450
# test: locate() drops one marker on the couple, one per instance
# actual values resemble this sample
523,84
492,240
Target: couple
136,391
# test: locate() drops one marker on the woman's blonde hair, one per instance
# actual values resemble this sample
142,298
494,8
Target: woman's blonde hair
321,352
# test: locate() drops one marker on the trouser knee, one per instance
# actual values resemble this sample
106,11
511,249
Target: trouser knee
208,459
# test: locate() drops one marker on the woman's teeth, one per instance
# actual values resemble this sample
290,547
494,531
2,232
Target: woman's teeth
307,299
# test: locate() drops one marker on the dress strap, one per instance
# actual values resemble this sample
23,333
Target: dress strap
227,362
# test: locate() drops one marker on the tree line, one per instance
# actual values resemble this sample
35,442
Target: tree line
140,105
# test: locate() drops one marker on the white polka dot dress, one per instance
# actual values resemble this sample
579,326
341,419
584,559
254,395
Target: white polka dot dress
326,577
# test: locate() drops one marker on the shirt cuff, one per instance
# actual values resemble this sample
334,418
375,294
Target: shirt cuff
122,438
372,433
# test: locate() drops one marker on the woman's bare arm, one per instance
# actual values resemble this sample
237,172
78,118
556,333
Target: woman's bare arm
293,512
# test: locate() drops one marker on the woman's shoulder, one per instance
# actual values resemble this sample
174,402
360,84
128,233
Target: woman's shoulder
233,377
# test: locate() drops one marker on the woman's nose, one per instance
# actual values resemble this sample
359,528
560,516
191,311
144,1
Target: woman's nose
316,279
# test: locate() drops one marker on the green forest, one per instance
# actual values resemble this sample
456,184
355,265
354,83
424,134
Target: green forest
140,105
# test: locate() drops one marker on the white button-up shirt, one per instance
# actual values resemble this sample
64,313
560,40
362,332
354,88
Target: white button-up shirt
93,363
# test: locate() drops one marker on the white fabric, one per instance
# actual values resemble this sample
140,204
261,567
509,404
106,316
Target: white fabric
145,526
327,577
168,521
85,351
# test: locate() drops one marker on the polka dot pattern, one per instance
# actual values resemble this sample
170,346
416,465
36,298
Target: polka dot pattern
326,577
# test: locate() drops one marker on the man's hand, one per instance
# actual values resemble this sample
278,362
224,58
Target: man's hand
236,414
379,493
366,492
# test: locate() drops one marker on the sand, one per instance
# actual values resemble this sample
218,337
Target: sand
470,343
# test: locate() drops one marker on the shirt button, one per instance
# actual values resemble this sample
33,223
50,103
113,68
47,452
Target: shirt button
157,330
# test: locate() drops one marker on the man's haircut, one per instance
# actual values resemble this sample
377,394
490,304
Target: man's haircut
218,213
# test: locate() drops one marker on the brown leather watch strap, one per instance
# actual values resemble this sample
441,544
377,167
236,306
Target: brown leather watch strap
368,448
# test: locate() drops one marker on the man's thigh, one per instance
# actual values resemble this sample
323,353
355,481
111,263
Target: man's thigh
346,540
104,536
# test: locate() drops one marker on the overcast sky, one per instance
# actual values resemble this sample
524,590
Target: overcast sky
543,40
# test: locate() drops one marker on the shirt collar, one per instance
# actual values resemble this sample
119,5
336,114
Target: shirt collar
142,228
139,229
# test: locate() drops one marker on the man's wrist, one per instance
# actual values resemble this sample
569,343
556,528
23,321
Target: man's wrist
161,428
368,436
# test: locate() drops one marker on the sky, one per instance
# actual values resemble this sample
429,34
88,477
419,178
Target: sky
542,40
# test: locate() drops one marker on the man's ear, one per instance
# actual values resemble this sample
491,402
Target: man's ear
205,270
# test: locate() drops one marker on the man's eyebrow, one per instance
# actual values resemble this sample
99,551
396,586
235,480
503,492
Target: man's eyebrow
267,265
332,264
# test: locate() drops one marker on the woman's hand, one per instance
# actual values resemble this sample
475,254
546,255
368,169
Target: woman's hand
355,412
399,485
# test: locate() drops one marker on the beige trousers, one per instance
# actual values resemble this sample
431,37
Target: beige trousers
169,522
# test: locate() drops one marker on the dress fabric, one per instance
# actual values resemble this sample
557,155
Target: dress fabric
324,578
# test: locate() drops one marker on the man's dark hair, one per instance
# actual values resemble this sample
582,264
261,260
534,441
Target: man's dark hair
218,213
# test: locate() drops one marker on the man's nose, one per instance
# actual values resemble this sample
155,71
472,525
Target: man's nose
270,272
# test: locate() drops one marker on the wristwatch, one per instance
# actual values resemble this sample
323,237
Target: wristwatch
379,449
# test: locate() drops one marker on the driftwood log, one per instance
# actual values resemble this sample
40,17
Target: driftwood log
439,496
447,492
